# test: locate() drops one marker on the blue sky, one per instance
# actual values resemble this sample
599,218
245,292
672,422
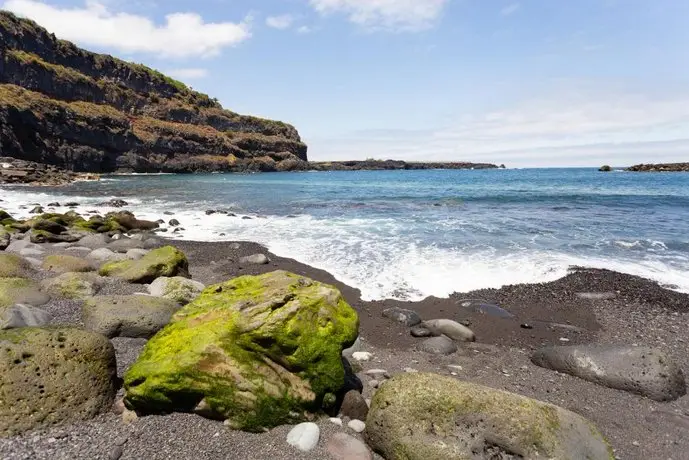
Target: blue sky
525,82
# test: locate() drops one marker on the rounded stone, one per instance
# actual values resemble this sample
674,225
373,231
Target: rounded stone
127,316
345,447
357,425
304,436
255,259
438,346
354,405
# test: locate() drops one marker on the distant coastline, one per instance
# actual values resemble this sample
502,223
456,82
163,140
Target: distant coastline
660,167
378,165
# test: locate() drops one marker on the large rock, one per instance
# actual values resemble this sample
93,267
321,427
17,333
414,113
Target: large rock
60,263
257,351
73,285
21,290
128,221
645,371
94,241
450,328
137,316
181,290
14,266
53,375
102,255
22,316
5,238
165,261
407,317
418,416
441,345
124,245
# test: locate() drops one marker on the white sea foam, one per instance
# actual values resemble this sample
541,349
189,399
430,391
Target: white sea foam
376,255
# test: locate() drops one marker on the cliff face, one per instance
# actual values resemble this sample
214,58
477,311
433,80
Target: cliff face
68,107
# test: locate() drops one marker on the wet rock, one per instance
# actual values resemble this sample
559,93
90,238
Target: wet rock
641,370
55,375
407,317
127,316
5,239
23,316
115,203
210,212
304,436
72,204
37,210
441,345
342,446
255,259
54,204
451,329
174,223
354,406
469,419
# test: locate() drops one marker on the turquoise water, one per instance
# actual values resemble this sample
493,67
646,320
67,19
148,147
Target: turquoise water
410,234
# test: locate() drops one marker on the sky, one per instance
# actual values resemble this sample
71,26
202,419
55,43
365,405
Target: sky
520,82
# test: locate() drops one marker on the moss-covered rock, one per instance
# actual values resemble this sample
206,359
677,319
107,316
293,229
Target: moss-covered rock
165,261
19,315
73,285
257,351
179,289
53,375
128,221
20,290
14,266
42,236
5,237
48,225
5,216
433,417
127,316
61,263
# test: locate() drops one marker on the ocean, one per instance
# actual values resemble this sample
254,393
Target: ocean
412,234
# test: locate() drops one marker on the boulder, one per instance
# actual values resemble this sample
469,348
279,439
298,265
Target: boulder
641,370
94,241
47,225
129,222
20,315
73,285
5,239
60,263
41,236
419,416
257,351
441,345
137,316
136,253
123,245
342,446
165,261
255,259
105,255
450,328
179,289
407,317
14,266
20,290
53,375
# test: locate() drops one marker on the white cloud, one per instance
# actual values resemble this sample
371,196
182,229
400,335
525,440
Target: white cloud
398,15
188,73
510,9
282,22
95,24
304,30
576,130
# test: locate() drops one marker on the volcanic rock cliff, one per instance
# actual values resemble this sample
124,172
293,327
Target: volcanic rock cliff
82,111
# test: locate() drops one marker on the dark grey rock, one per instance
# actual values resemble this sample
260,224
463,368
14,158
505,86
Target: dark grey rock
485,307
354,406
174,223
407,317
641,370
438,345
420,331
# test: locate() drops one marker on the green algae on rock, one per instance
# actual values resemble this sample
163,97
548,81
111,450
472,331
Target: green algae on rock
165,261
14,266
73,285
53,375
257,351
61,263
432,417
21,290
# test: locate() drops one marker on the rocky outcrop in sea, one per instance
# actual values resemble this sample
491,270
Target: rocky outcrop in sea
660,167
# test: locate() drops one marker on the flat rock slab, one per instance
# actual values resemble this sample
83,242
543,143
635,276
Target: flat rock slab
407,317
54,375
136,316
641,370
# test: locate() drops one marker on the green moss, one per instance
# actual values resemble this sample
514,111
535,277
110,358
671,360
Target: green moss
72,285
64,263
256,350
12,289
165,261
13,266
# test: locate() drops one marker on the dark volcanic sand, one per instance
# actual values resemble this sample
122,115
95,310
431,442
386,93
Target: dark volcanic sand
640,313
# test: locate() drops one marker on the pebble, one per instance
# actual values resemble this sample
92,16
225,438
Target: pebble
304,436
337,421
374,383
362,356
378,374
357,425
410,370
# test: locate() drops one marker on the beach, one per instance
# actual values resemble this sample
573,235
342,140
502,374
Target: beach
635,311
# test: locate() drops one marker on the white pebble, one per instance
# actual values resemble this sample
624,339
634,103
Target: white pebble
304,436
362,355
336,421
357,425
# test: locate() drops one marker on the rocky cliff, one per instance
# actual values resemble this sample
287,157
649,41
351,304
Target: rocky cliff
64,106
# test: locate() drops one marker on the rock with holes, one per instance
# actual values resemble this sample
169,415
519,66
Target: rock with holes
645,371
136,316
53,375
257,351
419,416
